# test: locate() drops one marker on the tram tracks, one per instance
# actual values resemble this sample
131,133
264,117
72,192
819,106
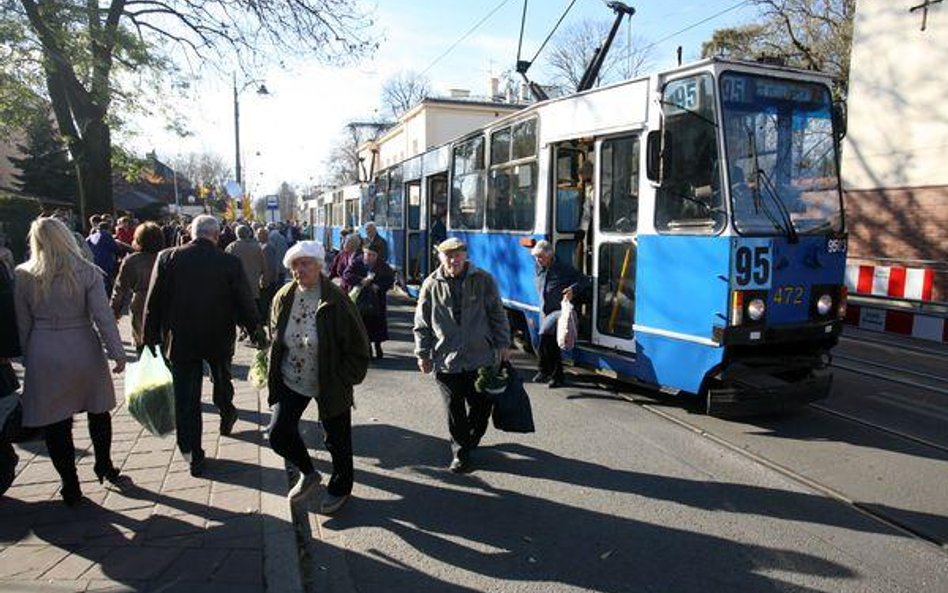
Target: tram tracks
866,509
898,375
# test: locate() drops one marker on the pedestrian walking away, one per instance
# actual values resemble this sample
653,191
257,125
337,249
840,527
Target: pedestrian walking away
460,327
555,281
9,348
196,297
131,284
319,351
373,278
269,282
252,260
62,312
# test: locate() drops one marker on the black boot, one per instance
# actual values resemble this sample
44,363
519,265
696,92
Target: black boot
378,350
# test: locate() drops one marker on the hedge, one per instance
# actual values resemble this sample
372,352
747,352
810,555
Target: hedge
16,214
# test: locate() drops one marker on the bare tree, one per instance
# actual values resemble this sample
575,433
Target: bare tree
80,46
343,164
574,47
402,91
816,35
202,169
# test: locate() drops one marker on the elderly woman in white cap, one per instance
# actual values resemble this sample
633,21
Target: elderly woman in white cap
319,351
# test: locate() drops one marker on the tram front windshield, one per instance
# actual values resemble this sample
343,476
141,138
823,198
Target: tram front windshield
781,155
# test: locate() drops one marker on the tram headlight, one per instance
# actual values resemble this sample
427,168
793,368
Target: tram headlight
756,309
824,305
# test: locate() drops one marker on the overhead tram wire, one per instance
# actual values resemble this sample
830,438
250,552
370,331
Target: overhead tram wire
690,27
699,23
553,30
465,36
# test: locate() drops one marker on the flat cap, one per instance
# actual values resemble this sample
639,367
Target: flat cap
451,244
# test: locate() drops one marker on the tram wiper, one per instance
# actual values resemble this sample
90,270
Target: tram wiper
781,207
785,223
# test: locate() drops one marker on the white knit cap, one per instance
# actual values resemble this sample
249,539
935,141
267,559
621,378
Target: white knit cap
312,249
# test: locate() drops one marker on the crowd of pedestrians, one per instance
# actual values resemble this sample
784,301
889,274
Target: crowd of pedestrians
189,285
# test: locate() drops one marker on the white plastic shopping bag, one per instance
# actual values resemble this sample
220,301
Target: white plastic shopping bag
149,393
566,326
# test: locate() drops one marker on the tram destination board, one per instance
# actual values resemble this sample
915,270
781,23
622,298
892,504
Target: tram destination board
741,88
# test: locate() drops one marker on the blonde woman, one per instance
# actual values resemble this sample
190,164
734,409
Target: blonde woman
63,317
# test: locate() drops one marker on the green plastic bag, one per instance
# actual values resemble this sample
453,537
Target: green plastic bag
149,394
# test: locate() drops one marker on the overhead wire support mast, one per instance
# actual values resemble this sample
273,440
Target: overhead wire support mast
599,56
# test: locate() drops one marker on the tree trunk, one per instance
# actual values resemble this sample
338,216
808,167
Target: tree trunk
94,169
90,144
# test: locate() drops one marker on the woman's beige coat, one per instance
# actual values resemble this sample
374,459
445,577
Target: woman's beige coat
62,339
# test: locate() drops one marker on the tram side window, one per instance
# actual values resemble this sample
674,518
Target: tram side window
352,213
414,206
689,199
512,195
338,215
619,202
468,191
396,201
380,200
368,203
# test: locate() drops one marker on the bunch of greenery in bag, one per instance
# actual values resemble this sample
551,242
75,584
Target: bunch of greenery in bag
259,370
152,405
491,380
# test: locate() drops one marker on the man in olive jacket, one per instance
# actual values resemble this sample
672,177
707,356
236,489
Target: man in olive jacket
460,326
196,297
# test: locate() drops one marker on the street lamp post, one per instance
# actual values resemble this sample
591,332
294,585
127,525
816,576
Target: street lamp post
261,90
236,132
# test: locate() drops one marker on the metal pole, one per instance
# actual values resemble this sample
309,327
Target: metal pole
177,197
237,134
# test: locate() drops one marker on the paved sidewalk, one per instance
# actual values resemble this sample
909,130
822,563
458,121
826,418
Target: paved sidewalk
230,530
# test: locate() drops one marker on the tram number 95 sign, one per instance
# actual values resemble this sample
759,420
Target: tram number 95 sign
752,264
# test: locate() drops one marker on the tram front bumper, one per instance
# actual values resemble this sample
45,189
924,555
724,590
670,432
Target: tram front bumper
748,394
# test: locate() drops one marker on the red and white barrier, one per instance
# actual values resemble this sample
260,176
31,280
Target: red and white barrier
890,281
906,323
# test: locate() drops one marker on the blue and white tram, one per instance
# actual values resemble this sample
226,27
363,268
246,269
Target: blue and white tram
408,203
716,243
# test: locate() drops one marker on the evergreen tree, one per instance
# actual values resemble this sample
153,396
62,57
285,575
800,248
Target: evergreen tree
45,168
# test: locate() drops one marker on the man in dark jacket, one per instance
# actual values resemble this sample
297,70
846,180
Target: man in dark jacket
555,281
105,252
9,348
196,297
375,242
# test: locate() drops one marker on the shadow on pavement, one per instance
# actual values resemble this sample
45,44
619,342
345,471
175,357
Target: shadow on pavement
517,536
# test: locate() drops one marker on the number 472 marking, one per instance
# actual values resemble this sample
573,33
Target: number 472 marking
752,266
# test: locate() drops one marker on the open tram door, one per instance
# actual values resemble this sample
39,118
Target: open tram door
572,209
414,256
600,242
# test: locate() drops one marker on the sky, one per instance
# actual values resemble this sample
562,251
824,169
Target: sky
287,135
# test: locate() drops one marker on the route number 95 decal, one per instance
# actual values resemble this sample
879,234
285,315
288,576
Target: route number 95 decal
751,264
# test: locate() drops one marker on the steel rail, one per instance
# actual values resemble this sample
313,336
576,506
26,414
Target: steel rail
907,347
884,377
882,365
863,508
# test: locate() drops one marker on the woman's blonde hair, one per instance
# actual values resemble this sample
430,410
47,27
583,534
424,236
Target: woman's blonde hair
54,257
